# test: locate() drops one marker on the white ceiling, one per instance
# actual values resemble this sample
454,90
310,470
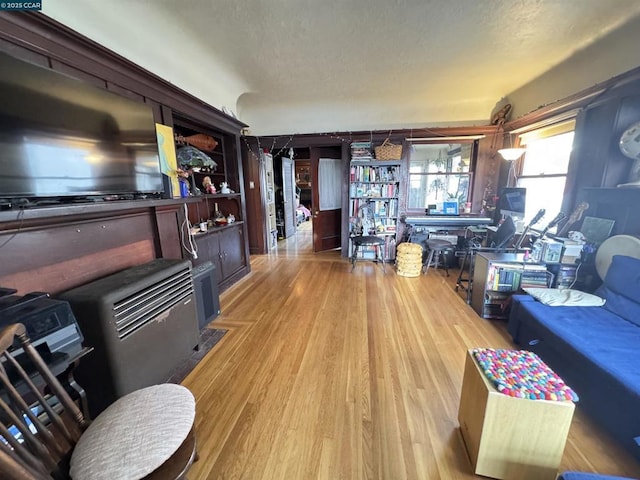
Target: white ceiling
302,66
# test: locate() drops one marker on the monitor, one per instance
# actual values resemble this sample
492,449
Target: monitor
511,202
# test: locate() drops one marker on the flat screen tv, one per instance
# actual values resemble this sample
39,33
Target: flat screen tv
61,137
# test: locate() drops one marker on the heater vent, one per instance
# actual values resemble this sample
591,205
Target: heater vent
147,305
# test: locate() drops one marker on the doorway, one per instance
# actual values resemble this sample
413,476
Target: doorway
327,179
318,176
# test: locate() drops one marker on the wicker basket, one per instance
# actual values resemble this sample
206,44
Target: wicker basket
388,151
409,260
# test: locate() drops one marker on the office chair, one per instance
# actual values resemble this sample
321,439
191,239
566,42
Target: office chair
44,435
500,243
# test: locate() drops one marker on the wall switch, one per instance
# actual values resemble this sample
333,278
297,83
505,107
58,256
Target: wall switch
251,184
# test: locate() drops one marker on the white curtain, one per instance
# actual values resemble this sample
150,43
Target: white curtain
330,183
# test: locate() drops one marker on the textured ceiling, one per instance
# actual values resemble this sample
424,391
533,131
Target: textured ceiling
298,66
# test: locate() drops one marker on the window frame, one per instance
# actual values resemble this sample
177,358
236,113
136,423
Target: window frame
533,133
470,174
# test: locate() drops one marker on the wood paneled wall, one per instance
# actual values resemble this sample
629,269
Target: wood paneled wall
53,249
68,248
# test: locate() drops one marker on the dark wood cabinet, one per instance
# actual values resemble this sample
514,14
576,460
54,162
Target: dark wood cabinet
223,246
84,242
232,256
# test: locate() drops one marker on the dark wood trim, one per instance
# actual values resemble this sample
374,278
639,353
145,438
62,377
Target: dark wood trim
377,136
588,97
42,35
12,219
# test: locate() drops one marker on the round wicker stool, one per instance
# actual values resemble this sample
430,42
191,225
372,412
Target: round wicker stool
409,259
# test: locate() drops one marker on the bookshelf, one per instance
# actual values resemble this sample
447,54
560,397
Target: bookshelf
270,206
497,276
374,188
565,274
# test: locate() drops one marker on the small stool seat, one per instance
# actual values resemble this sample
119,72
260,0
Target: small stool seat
159,417
367,241
437,248
514,414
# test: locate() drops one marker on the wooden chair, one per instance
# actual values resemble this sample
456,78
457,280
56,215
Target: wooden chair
364,236
44,435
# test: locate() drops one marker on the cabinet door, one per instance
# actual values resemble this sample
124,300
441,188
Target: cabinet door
203,245
216,255
209,250
231,251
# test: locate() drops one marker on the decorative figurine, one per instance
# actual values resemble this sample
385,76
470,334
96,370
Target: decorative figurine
224,188
208,185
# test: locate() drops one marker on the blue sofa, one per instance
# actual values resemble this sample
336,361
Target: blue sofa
596,350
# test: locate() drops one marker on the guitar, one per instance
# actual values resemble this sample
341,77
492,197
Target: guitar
557,219
575,216
533,221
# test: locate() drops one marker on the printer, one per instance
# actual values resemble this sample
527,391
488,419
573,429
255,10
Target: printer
50,324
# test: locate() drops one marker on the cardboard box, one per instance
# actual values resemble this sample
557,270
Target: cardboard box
571,251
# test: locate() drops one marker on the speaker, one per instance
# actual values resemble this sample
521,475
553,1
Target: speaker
207,297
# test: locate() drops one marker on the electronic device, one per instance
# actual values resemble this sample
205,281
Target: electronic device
447,221
512,202
50,324
207,298
62,137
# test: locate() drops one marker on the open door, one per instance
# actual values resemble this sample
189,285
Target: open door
289,197
327,179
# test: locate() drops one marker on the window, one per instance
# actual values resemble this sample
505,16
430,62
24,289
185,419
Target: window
543,168
438,173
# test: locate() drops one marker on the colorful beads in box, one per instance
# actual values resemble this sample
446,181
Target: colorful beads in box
522,374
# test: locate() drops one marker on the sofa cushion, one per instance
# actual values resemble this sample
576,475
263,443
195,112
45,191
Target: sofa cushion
621,288
589,476
565,297
610,342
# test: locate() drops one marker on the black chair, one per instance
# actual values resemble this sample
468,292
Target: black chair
501,242
364,236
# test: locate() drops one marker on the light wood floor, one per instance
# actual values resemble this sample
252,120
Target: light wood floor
328,374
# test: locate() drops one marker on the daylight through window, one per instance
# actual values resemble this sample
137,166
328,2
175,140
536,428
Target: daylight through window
543,168
439,173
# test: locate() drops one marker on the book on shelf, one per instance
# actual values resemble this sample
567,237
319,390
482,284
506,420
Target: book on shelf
361,151
505,279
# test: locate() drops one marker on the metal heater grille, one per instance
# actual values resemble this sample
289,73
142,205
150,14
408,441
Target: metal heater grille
134,312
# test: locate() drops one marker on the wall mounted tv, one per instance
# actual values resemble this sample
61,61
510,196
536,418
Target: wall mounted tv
61,137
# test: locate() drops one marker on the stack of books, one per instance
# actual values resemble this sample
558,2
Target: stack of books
361,152
535,276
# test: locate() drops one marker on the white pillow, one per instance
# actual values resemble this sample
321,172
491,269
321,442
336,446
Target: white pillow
565,297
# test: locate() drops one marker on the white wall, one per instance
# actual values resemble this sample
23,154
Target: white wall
614,54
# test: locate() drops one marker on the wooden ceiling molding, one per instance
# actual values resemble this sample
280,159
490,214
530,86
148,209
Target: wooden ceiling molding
41,35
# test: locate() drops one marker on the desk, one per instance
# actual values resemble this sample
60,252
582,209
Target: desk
454,229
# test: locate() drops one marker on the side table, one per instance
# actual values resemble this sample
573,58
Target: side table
508,437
